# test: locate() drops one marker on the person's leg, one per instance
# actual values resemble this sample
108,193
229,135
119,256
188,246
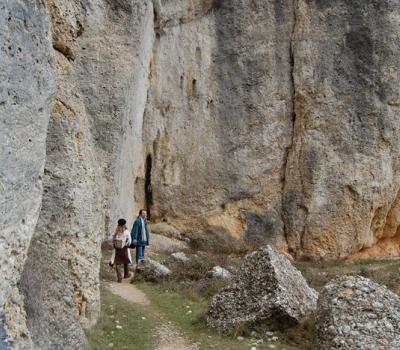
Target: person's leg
137,253
119,276
126,271
143,252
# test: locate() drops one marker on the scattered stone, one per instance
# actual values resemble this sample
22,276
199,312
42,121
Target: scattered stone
274,338
356,313
162,244
240,338
164,229
267,291
152,271
219,272
118,326
181,256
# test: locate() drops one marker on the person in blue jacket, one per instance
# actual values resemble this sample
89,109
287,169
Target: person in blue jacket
140,235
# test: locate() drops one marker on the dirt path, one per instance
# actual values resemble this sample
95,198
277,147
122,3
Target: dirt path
170,338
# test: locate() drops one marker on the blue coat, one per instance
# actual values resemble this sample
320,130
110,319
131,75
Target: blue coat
136,233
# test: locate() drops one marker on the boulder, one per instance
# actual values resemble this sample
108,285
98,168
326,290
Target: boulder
162,244
354,312
181,257
219,272
164,229
267,292
152,271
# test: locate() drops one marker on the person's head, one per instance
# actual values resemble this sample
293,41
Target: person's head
121,227
143,213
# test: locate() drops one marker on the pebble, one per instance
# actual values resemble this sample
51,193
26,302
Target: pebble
143,318
240,338
118,326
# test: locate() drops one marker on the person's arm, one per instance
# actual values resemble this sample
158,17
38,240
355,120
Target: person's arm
128,239
134,232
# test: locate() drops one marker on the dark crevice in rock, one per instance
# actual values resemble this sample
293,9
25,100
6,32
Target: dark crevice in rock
64,50
293,92
147,185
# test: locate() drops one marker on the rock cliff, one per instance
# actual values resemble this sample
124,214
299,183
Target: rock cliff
273,121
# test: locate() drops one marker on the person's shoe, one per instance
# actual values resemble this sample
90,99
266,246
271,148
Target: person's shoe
119,280
129,275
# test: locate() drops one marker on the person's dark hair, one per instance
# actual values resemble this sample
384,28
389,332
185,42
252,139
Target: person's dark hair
140,211
121,222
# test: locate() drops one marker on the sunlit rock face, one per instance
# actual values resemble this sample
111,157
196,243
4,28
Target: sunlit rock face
342,178
219,116
26,91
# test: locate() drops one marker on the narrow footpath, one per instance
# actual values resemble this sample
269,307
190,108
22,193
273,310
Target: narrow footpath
169,336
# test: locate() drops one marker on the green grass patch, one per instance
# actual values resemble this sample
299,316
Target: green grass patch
136,333
189,314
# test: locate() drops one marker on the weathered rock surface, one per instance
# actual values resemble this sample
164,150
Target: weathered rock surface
266,291
180,256
275,121
356,313
161,244
102,51
218,76
342,177
164,229
219,272
152,271
26,91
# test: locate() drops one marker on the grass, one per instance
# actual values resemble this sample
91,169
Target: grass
385,272
136,333
188,312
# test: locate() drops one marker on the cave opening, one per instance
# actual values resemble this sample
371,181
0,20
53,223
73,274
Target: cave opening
147,186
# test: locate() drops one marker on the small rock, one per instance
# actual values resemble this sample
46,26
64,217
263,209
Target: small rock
118,326
152,271
275,338
181,257
240,338
219,272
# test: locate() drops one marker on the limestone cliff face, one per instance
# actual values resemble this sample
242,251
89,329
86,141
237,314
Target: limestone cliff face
218,120
102,52
274,121
342,177
26,91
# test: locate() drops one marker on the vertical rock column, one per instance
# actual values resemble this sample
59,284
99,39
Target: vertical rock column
26,92
342,178
218,120
93,133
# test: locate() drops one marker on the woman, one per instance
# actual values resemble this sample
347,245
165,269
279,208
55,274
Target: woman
121,254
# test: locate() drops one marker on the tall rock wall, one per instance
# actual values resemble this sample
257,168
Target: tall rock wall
218,120
342,177
26,91
102,51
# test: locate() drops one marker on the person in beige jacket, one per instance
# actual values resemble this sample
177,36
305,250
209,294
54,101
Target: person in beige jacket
121,254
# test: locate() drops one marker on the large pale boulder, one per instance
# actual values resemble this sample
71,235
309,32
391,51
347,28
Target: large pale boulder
355,313
266,291
152,271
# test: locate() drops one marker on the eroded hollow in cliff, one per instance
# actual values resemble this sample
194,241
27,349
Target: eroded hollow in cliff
147,185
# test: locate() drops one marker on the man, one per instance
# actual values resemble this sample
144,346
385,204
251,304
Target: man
140,235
